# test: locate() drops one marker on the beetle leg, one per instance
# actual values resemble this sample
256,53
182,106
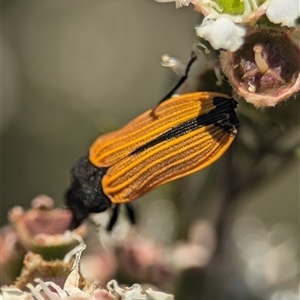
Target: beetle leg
114,217
131,213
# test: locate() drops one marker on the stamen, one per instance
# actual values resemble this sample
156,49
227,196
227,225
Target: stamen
35,293
261,63
251,87
213,5
254,5
176,65
247,9
218,75
168,61
198,45
46,290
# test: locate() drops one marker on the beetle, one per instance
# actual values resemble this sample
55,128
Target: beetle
180,136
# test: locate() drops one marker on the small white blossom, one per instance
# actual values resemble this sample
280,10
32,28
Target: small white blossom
284,12
222,33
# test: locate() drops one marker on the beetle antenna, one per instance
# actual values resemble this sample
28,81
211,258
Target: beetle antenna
182,79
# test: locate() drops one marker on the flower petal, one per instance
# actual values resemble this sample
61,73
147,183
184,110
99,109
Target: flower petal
284,12
222,33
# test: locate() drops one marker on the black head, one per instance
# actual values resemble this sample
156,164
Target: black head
86,195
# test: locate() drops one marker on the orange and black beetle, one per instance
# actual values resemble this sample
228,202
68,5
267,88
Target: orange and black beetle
180,136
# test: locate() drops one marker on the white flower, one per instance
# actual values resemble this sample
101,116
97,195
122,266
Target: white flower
222,33
284,12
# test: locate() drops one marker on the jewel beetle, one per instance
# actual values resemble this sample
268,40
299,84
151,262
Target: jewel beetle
180,136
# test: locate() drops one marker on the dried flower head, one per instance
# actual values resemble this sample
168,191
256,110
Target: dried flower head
266,69
36,267
43,228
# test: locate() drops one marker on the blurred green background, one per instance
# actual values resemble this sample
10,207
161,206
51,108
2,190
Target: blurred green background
74,69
